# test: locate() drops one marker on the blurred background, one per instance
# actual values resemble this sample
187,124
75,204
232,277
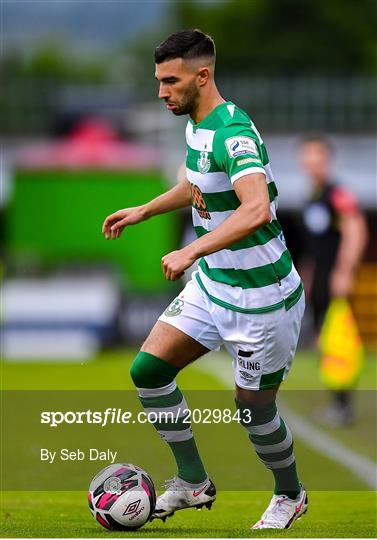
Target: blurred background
83,134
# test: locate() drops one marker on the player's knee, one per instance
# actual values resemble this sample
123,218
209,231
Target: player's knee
148,371
143,370
136,370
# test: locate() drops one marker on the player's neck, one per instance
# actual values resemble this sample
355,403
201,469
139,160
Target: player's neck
206,105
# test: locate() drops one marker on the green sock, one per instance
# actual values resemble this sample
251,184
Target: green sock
158,392
272,441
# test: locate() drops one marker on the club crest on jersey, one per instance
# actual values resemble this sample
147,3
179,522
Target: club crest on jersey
203,162
198,202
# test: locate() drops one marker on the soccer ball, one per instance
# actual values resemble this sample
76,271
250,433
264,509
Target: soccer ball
122,497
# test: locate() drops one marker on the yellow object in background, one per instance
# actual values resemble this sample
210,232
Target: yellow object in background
341,347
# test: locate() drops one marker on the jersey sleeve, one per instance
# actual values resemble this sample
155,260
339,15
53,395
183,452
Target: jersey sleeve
237,152
344,201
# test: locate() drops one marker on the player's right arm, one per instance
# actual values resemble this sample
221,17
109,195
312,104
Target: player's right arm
177,197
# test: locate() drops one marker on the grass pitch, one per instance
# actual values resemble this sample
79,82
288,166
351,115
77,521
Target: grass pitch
65,514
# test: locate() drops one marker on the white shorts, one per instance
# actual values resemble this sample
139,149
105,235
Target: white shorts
262,346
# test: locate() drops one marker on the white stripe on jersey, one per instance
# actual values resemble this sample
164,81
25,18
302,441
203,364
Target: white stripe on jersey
244,259
245,172
203,138
218,181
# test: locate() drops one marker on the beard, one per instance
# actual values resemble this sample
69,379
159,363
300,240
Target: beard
189,102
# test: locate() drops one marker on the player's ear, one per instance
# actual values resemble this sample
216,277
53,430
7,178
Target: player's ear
203,76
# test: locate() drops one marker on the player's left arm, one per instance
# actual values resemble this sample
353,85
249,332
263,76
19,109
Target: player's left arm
253,212
353,240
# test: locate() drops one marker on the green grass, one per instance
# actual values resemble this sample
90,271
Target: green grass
110,371
331,513
62,514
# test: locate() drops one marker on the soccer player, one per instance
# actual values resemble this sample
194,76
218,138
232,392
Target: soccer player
246,293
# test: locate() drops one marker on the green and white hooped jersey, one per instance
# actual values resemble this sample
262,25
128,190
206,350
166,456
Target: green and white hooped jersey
256,274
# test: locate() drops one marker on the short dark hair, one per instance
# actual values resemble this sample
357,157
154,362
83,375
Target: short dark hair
186,44
318,138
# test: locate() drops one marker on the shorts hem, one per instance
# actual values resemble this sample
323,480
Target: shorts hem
246,387
188,334
271,385
260,387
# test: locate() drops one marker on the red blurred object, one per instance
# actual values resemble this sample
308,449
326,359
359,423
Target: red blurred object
344,201
92,144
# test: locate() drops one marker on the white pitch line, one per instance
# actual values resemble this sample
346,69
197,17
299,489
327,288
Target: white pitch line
220,366
361,466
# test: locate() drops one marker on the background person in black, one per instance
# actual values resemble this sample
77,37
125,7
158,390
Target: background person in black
335,235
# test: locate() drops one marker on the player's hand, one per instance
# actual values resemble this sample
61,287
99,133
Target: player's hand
115,223
175,263
341,283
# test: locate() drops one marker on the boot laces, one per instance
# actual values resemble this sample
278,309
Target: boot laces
281,507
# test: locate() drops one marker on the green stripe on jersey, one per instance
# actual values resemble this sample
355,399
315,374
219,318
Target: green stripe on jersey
261,236
223,201
261,276
288,302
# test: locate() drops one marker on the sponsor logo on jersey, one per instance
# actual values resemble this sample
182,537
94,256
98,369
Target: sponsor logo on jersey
198,202
203,162
175,308
239,146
